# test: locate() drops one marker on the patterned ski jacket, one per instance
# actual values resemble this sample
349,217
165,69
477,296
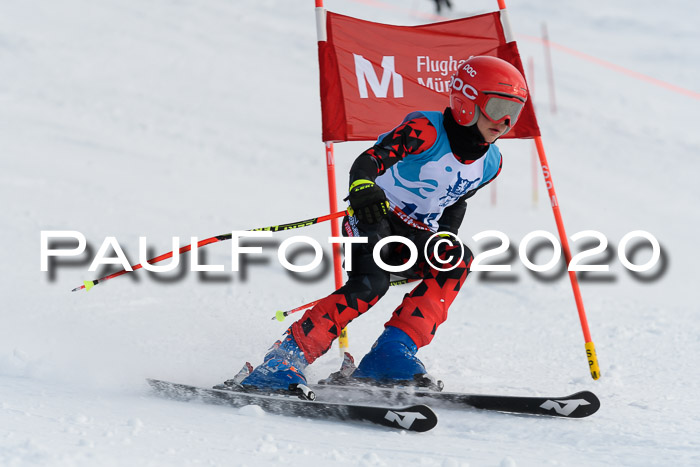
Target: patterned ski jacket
428,166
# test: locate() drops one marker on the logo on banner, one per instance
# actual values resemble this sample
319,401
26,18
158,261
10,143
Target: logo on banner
366,75
433,72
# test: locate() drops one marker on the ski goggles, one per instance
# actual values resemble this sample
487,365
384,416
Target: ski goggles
498,108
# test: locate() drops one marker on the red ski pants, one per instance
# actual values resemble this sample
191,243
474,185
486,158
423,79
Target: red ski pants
419,314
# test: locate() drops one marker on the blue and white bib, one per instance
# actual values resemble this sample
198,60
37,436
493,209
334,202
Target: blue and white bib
423,185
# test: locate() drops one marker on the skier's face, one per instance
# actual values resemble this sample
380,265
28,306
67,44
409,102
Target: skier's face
489,130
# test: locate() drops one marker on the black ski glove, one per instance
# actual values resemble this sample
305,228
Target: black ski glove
368,201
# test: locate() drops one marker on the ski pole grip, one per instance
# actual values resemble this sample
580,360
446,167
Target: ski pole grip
592,360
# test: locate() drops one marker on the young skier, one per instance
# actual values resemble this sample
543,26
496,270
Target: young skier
413,183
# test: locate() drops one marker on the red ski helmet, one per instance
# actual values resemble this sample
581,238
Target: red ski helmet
488,85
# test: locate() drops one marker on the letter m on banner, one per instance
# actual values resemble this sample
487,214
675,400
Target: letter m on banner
373,75
366,75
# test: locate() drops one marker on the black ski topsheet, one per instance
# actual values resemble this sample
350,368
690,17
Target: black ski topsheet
418,417
578,405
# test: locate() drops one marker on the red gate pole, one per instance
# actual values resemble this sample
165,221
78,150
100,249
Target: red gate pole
332,191
590,348
531,86
333,203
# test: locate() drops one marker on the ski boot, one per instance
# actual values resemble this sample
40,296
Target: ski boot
392,362
280,372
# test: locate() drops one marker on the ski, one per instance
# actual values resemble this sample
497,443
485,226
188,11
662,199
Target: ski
578,405
417,417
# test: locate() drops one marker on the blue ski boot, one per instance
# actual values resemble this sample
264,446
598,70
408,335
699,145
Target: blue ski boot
280,372
392,361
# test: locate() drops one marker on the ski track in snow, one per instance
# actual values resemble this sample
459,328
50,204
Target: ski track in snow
184,118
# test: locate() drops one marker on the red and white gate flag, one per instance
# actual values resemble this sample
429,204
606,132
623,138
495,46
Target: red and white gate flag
373,74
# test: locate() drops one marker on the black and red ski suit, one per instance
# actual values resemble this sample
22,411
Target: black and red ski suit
425,307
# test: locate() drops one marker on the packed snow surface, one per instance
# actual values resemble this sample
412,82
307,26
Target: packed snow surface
181,118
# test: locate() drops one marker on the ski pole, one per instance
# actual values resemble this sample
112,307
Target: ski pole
281,315
87,285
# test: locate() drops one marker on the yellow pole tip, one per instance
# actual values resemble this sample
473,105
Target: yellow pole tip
88,285
280,316
592,361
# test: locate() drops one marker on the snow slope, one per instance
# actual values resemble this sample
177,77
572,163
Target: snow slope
182,118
